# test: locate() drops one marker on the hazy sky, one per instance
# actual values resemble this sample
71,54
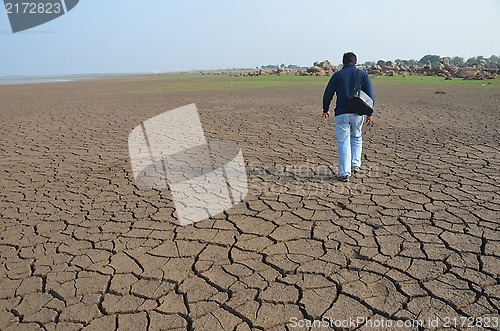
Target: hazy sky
123,36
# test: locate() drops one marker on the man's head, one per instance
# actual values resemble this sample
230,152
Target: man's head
349,58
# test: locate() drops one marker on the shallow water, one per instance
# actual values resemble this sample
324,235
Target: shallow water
16,81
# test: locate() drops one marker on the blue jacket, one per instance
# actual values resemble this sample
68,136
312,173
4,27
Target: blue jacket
342,83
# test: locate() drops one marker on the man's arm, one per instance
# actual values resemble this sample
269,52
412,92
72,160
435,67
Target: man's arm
368,89
328,95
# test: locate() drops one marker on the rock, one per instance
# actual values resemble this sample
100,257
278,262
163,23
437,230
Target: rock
374,72
492,66
437,66
317,71
467,72
381,64
390,64
325,65
447,66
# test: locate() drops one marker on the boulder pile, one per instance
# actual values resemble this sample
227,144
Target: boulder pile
484,69
260,72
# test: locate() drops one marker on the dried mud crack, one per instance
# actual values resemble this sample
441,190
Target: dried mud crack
413,237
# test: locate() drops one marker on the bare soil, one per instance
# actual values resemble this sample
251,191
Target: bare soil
414,237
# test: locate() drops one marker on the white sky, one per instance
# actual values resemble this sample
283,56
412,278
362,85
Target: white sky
122,36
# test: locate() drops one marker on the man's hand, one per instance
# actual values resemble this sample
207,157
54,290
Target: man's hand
369,120
325,116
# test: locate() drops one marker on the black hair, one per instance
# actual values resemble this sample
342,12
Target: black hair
349,58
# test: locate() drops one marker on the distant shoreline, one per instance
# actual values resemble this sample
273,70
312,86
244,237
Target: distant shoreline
38,80
19,80
22,80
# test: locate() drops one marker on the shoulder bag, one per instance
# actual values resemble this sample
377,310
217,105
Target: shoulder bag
359,101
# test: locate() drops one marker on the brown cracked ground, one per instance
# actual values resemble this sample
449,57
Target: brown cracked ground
413,237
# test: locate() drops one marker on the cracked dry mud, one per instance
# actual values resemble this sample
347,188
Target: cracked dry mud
414,236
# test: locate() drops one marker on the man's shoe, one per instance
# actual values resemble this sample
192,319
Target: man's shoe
356,169
344,179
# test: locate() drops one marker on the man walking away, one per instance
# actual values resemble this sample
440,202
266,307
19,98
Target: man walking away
348,123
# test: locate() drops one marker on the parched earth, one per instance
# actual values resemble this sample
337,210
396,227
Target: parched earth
410,243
